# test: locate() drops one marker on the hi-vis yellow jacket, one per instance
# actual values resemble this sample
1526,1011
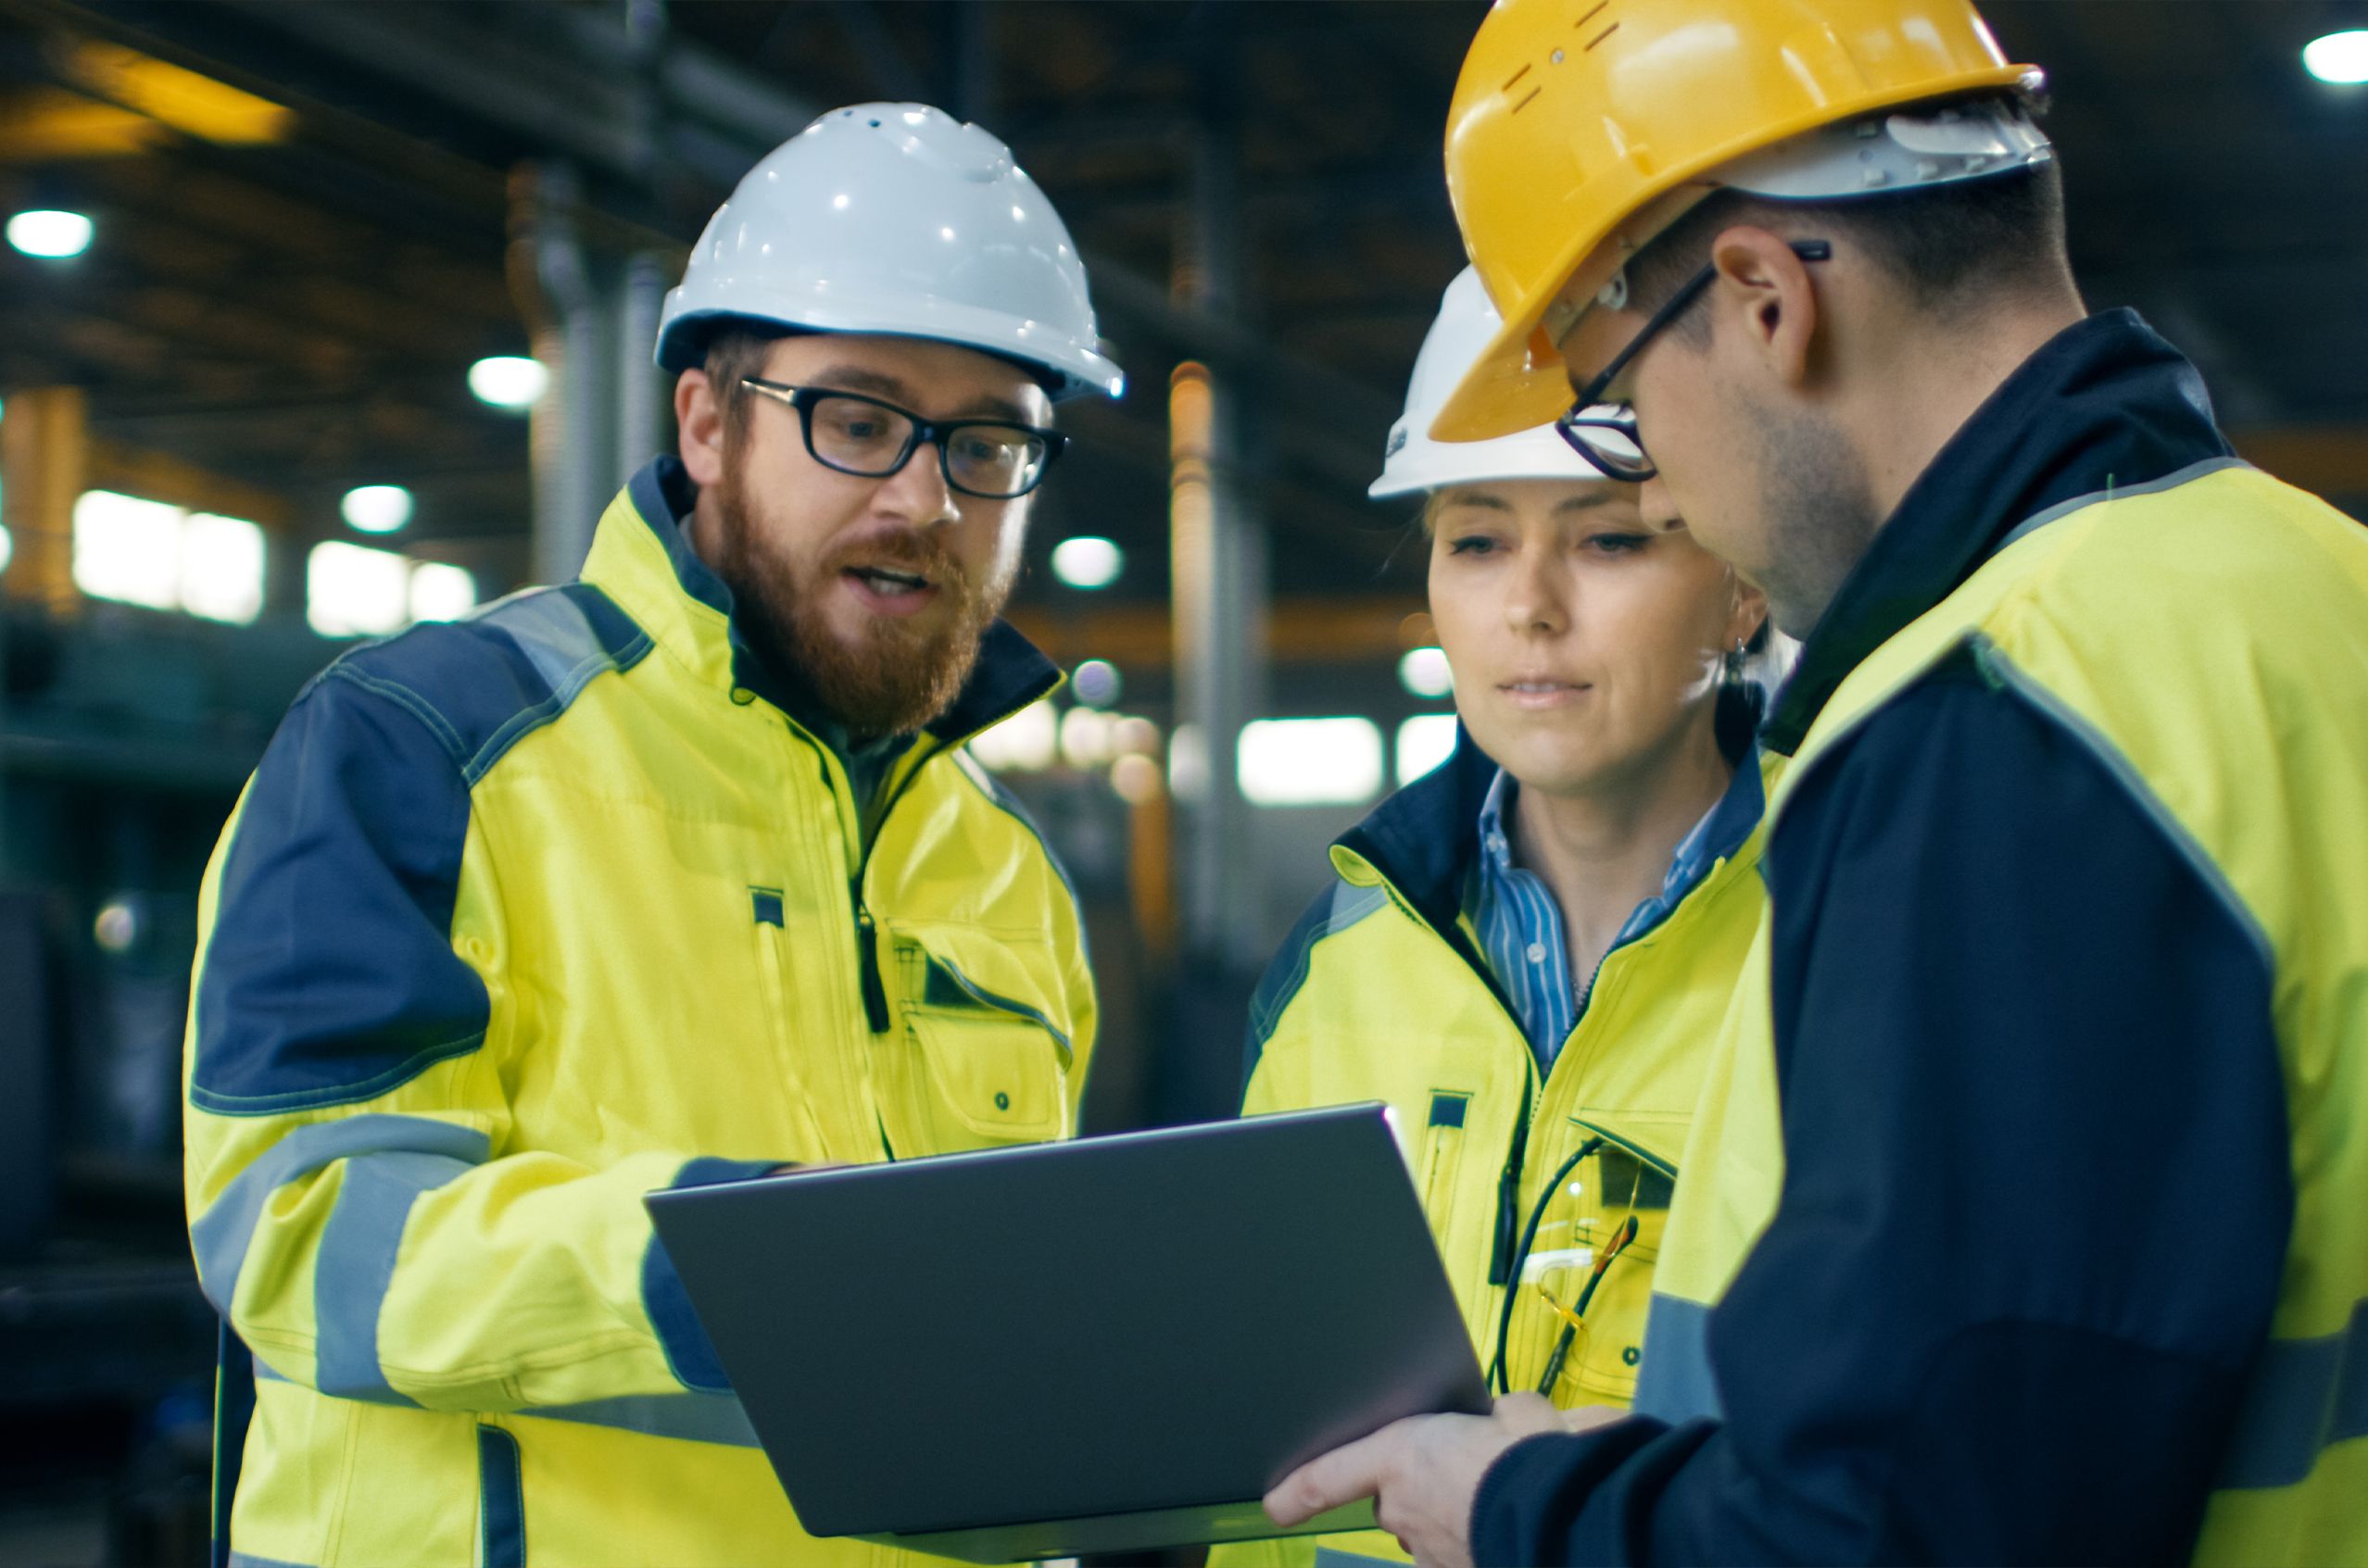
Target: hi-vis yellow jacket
2025,1217
519,919
1381,993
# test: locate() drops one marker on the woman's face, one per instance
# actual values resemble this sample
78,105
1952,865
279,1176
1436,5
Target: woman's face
1584,641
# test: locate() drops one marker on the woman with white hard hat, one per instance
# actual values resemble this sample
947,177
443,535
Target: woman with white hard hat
1525,952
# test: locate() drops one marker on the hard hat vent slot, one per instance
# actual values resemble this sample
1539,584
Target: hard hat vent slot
1514,78
1525,102
1591,16
1601,36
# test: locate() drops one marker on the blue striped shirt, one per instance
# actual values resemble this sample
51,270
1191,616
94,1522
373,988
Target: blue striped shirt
1519,924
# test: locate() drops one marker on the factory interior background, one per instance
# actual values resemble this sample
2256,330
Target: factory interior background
317,320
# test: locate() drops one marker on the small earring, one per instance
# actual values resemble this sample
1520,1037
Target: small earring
1735,662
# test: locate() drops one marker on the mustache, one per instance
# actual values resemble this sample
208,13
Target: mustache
900,548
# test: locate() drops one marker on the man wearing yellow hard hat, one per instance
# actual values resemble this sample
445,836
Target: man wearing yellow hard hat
2025,1217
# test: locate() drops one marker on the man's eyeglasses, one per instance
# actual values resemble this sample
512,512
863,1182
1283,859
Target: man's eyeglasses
862,435
1605,433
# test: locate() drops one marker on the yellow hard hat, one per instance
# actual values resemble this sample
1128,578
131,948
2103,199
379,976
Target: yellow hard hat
1580,121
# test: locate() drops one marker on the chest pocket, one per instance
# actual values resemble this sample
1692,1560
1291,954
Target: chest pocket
984,1063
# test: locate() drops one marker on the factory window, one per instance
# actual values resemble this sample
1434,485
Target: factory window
161,556
1309,761
353,591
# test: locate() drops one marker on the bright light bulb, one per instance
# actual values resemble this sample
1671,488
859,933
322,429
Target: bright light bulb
1424,672
2338,58
376,509
506,381
1088,562
50,234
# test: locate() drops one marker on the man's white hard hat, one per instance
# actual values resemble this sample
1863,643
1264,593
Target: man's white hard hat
1413,463
894,218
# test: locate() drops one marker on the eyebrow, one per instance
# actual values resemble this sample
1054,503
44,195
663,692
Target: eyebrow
854,378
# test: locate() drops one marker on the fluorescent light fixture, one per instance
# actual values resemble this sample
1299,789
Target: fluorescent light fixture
1309,761
1424,672
376,509
7,548
1096,683
1424,742
221,568
2340,57
127,549
442,592
1024,743
506,381
352,590
49,234
1088,562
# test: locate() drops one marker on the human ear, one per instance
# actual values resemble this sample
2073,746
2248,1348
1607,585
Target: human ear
1749,614
699,413
1764,291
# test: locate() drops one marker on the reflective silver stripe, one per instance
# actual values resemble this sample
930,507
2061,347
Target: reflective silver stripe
220,1236
1333,1557
248,1560
2305,1396
1675,1382
355,1267
690,1418
2170,480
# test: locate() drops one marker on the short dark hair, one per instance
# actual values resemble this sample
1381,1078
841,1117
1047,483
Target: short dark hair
732,352
1946,246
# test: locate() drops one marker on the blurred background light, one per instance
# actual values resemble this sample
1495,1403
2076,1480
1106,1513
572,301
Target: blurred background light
1088,562
1096,683
2339,56
1024,743
49,233
221,568
1309,761
1085,738
508,380
1424,672
353,591
1424,742
127,549
442,592
376,509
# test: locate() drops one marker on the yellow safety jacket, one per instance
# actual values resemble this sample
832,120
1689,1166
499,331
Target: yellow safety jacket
519,919
2025,1216
1382,993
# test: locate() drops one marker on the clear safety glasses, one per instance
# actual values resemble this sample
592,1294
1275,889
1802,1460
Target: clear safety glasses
871,439
1605,433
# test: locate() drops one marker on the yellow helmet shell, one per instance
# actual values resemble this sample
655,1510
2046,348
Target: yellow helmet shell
1577,122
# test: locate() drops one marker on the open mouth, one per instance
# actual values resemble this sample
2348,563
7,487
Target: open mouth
887,580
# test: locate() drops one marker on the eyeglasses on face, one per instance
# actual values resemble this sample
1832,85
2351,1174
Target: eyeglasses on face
1605,433
989,458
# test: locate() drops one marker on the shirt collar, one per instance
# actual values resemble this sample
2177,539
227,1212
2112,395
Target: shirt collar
2104,403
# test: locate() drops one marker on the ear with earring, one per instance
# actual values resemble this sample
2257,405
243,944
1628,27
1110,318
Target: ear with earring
1732,664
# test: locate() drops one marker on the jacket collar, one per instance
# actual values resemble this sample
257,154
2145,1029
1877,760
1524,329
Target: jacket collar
2104,405
642,559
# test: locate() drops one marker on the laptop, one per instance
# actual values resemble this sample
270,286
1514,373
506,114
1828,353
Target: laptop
1101,1346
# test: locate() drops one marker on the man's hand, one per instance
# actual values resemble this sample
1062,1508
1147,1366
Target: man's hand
1422,1473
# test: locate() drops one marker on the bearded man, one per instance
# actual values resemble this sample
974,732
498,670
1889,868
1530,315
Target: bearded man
671,874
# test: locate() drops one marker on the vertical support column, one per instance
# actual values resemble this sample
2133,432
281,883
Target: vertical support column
644,394
44,455
570,437
1218,567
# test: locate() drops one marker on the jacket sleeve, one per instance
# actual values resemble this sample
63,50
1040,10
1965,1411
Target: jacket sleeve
356,1210
2037,1192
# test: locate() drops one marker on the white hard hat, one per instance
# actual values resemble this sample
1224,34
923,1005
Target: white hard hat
893,218
1413,462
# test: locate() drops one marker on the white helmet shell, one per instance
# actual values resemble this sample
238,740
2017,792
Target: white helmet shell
893,218
1413,462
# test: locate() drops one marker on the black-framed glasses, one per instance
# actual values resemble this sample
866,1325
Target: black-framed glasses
1605,433
989,458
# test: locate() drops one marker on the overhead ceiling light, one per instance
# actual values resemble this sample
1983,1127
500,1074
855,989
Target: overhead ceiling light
507,381
376,509
2339,56
1088,562
50,234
